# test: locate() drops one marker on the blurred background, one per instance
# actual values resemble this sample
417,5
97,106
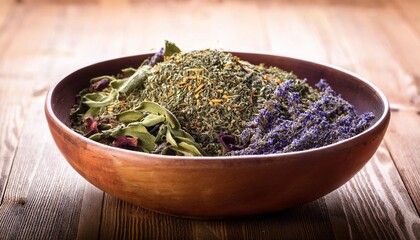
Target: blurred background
48,39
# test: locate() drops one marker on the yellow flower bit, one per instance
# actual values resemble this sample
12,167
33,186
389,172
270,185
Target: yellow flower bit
225,96
170,94
198,77
216,101
251,96
110,109
189,86
199,88
195,69
197,95
231,105
266,78
182,82
278,80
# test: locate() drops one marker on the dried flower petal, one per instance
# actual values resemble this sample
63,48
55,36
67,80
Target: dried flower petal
100,85
228,142
157,57
92,125
124,142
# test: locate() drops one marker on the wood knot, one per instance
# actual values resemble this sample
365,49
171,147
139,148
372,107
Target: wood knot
21,201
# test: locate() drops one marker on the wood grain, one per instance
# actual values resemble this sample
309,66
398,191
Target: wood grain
124,220
41,41
393,74
403,139
343,224
13,78
27,198
386,204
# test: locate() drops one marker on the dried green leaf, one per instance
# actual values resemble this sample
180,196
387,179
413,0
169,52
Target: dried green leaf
152,119
152,107
170,139
130,116
116,84
96,136
99,99
128,70
186,149
179,133
170,48
134,80
161,133
92,112
137,130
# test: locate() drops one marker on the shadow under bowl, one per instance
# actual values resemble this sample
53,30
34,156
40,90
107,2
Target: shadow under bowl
219,187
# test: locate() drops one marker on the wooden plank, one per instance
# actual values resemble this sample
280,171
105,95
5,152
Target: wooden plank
403,140
374,204
124,220
353,207
11,119
194,25
5,7
292,31
121,220
41,186
15,89
241,29
400,47
61,2
42,189
90,213
368,53
384,64
409,10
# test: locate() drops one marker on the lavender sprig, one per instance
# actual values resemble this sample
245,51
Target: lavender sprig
156,58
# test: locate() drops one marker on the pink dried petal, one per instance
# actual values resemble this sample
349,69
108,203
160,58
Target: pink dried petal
100,85
123,142
92,124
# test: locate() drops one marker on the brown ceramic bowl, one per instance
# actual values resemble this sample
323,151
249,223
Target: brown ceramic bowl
218,187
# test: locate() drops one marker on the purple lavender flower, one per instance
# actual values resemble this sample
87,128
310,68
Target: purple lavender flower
157,57
300,117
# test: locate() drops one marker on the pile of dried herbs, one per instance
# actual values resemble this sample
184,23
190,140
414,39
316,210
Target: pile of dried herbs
205,102
209,91
300,117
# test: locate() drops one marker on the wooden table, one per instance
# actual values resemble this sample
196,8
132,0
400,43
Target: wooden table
41,41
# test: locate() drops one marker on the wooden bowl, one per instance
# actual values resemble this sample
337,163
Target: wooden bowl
218,187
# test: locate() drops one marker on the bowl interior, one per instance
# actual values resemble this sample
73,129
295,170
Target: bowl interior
364,96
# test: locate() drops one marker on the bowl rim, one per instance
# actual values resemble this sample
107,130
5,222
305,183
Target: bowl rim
297,154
